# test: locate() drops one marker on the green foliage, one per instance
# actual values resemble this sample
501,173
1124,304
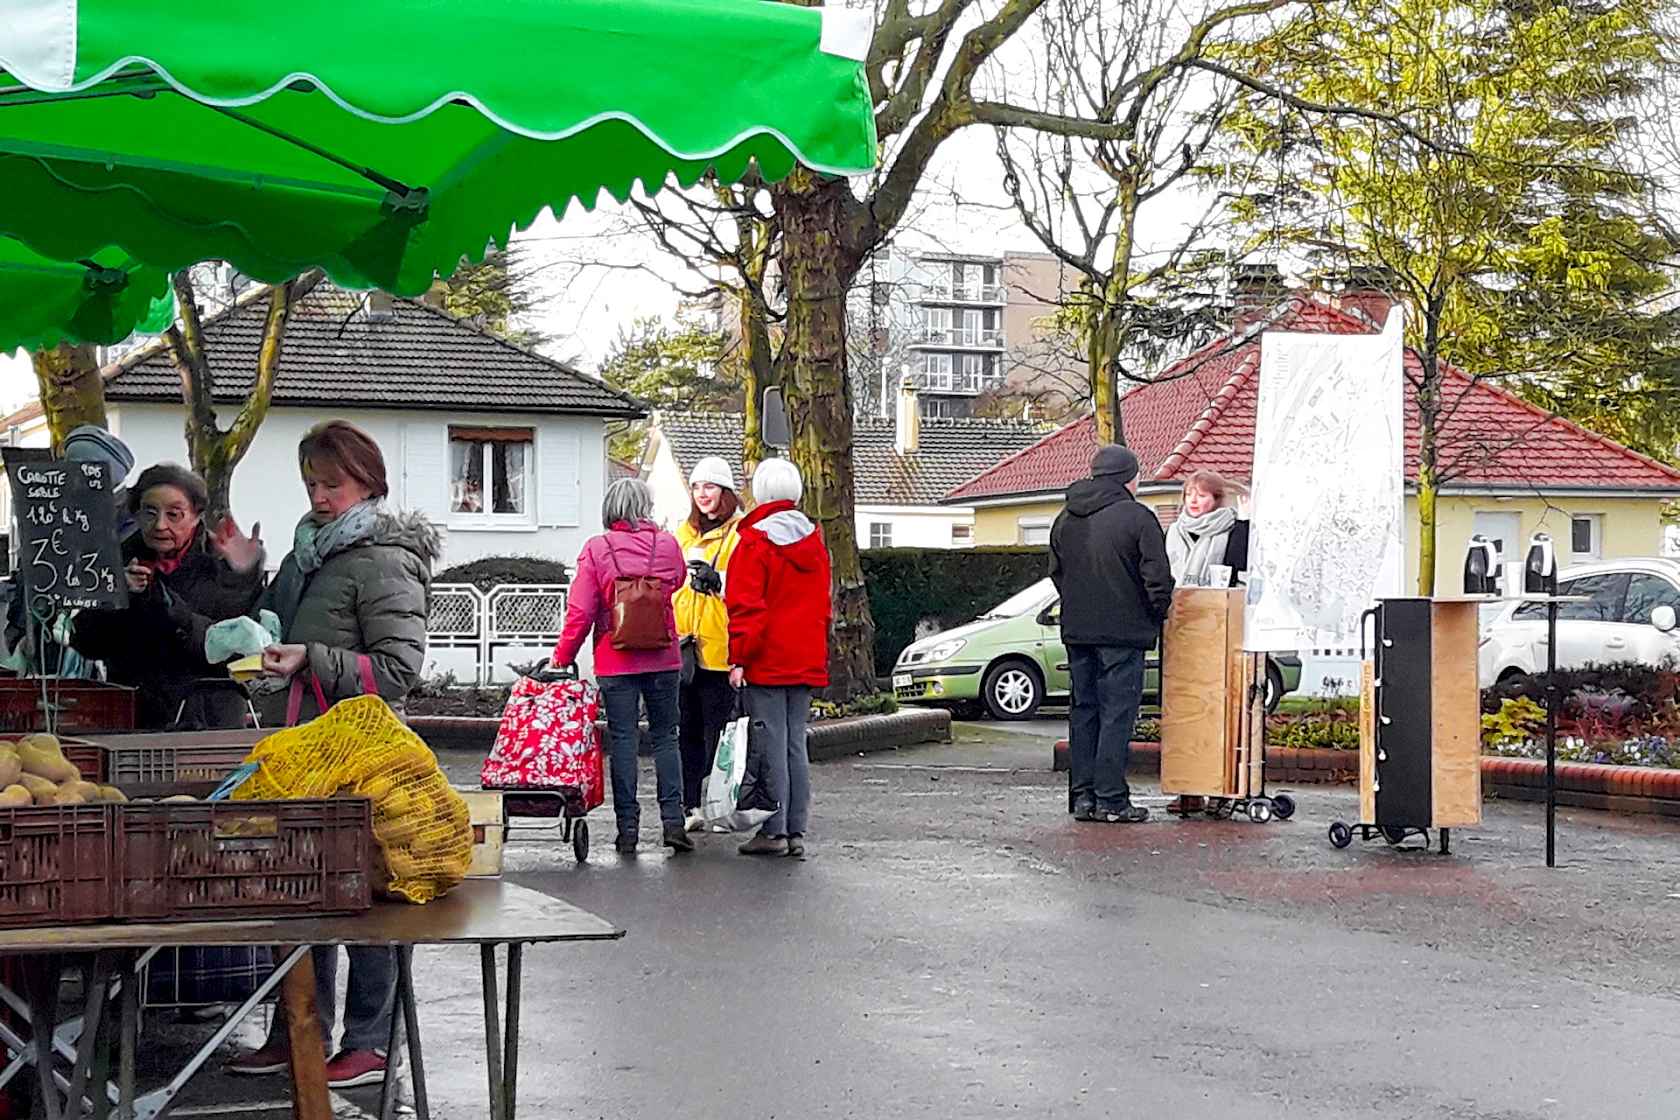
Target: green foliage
493,292
869,704
488,571
676,366
1328,730
940,588
1302,705
1486,178
1517,721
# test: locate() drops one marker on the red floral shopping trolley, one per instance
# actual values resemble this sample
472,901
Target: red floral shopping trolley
547,759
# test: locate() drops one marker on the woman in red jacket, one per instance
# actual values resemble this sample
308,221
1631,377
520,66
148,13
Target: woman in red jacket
779,604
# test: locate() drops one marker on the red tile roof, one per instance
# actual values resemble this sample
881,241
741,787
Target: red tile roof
1200,416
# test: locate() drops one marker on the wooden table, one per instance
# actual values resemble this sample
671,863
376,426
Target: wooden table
483,912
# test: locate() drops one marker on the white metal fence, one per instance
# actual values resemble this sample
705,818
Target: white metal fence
477,634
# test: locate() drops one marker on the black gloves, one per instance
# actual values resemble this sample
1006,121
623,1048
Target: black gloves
704,578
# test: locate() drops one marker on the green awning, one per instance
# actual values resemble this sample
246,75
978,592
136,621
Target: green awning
383,140
102,299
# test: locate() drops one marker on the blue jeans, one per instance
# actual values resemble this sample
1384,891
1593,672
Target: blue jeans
623,697
370,998
1107,691
776,735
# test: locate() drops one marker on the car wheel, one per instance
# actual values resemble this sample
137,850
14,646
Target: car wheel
1012,690
1274,686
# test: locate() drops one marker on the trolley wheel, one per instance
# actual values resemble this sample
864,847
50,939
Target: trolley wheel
580,840
1283,806
1259,812
1393,833
1340,834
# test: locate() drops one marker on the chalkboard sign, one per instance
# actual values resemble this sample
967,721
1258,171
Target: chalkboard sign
66,517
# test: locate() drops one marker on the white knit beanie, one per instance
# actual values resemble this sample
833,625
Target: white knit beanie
714,470
777,480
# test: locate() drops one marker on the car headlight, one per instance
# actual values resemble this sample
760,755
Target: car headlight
944,650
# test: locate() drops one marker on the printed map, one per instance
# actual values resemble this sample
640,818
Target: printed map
1329,487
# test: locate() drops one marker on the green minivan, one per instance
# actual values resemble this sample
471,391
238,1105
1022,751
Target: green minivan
1011,660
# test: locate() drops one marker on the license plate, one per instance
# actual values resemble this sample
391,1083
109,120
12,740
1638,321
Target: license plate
902,680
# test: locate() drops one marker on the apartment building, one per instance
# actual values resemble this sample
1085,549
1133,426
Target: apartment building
969,330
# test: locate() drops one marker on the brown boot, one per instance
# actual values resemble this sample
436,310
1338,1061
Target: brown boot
762,845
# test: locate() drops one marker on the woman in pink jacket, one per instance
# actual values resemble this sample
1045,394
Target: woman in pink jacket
631,546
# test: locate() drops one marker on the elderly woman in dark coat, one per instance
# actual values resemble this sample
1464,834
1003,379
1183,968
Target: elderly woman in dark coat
182,578
351,597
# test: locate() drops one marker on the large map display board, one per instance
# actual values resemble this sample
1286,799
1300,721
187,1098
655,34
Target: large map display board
1329,501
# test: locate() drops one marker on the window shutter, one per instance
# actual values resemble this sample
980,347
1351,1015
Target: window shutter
426,469
559,478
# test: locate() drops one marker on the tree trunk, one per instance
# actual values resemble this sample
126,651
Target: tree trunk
1429,479
214,452
1105,384
756,373
1109,327
72,392
821,223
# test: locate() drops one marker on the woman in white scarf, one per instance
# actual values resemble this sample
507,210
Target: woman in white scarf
1207,535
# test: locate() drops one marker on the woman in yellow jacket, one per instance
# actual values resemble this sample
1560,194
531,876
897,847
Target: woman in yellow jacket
708,540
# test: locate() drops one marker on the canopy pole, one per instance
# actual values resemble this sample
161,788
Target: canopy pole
368,173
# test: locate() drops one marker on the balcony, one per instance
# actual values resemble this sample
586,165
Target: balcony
956,384
971,338
943,291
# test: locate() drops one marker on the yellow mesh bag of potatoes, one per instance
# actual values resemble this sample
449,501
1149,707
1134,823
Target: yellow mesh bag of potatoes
421,828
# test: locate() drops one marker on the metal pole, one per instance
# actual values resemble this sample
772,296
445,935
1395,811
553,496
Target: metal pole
43,998
492,1035
131,978
1551,732
510,1038
411,1027
393,1049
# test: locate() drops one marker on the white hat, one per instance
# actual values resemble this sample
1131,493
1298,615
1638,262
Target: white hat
714,470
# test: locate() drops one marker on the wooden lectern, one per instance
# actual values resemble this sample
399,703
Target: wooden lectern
1213,698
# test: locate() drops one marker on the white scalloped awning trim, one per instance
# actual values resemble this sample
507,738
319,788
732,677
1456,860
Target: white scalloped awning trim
38,42
846,33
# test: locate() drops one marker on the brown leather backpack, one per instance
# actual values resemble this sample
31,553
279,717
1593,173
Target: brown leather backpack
640,607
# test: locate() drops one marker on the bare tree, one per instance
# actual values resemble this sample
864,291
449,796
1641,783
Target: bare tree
1126,67
934,67
215,451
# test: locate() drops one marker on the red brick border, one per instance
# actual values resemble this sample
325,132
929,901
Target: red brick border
1586,785
1291,765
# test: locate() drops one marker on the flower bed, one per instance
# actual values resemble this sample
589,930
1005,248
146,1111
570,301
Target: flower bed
1604,727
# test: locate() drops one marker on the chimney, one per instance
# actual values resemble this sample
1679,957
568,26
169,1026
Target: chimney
907,431
1368,293
1255,289
381,307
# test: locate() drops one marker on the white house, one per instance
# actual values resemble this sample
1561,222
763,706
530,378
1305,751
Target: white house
902,467
503,448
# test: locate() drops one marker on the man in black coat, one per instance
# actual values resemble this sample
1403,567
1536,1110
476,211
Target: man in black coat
1108,559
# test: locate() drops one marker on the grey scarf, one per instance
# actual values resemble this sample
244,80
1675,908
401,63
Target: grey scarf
1195,544
312,544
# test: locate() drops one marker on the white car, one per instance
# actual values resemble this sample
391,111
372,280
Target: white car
1630,616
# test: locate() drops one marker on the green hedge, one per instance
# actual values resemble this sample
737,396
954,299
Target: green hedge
944,586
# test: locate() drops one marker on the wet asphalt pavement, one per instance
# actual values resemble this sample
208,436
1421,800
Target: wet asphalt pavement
956,945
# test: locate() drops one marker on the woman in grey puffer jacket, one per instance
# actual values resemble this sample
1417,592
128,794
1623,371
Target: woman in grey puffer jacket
351,598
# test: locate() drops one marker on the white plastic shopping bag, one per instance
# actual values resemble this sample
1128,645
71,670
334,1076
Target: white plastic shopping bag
723,785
